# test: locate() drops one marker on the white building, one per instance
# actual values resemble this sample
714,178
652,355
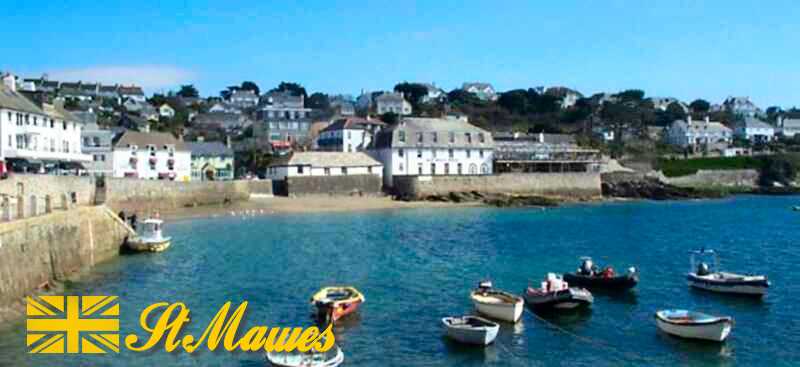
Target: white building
152,156
166,111
741,106
484,91
244,98
392,103
306,164
42,134
433,146
435,94
352,134
754,130
788,127
690,133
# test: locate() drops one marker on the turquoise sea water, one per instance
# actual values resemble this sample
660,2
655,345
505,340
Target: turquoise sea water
416,266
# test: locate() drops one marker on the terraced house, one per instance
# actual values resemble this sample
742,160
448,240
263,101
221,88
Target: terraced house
283,119
37,137
151,156
211,161
433,146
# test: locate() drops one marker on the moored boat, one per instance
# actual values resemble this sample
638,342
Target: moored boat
702,276
331,358
590,276
151,238
333,303
471,329
497,304
694,325
555,293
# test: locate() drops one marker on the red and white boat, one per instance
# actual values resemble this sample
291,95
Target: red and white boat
333,303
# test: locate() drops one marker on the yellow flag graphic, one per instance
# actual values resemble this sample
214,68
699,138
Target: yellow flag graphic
72,324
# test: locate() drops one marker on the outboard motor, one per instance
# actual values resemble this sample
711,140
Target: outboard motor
587,267
702,269
485,285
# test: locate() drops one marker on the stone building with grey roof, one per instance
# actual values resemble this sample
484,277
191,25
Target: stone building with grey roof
322,164
432,147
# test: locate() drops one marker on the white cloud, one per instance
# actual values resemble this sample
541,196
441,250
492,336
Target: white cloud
146,76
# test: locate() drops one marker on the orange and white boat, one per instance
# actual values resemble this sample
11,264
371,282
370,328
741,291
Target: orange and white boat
333,303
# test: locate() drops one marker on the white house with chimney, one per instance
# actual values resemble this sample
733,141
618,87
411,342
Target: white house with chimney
754,130
151,156
392,103
433,147
37,135
692,133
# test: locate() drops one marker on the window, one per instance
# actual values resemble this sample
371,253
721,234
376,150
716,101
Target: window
469,153
419,169
327,171
369,169
450,153
469,137
401,135
459,168
400,153
452,137
400,168
299,170
52,123
419,153
419,137
434,153
481,138
433,168
35,121
344,171
447,168
480,153
348,134
349,147
435,137
27,119
10,144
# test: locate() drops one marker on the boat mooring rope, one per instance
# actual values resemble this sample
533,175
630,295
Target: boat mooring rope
593,341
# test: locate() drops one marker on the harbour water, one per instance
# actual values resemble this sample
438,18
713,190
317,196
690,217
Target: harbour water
416,266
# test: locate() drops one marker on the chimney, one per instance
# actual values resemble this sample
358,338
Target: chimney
10,81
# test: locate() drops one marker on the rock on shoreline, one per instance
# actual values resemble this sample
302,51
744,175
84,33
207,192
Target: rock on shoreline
498,200
641,186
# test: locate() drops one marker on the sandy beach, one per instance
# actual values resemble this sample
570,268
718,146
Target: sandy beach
307,204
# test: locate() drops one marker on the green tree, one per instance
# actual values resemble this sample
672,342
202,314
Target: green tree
390,118
188,91
318,101
700,106
413,92
251,86
293,88
631,95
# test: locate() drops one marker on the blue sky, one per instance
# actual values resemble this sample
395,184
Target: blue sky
687,49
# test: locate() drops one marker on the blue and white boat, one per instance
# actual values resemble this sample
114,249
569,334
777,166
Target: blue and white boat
702,276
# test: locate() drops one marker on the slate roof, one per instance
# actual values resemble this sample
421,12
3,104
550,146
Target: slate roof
131,90
543,138
754,123
327,159
209,149
141,139
410,126
353,123
16,101
390,97
225,120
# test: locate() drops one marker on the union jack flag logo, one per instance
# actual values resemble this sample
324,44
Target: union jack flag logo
73,324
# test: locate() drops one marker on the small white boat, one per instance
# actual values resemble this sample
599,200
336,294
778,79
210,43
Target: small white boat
471,329
497,304
150,240
702,276
331,358
555,293
694,325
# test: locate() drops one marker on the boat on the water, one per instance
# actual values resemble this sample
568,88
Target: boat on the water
702,276
151,238
694,325
331,358
555,293
590,276
497,304
471,329
333,303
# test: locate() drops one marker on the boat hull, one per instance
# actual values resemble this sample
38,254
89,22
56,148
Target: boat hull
717,331
299,360
334,303
567,299
621,283
334,312
473,336
508,312
756,288
148,246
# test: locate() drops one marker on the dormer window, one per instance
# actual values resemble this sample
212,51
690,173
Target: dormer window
134,148
419,137
481,138
435,137
469,137
452,137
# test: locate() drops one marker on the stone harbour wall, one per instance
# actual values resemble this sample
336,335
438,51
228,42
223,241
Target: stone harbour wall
36,251
330,185
149,195
574,185
24,195
712,178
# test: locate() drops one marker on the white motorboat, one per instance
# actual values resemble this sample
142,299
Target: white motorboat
497,304
151,239
694,325
702,276
471,329
331,358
